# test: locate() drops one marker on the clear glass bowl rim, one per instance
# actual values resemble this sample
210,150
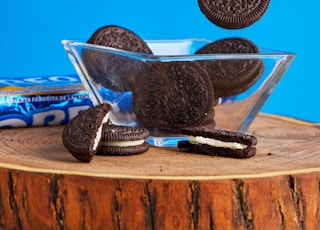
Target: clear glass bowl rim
264,53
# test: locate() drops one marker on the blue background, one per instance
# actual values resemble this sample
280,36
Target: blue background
31,34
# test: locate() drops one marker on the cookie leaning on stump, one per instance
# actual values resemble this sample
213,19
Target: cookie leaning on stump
81,136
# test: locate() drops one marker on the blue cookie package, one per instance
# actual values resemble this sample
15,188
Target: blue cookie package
41,101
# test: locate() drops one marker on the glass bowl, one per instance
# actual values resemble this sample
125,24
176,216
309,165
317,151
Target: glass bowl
112,81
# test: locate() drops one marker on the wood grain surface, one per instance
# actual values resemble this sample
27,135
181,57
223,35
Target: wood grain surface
44,187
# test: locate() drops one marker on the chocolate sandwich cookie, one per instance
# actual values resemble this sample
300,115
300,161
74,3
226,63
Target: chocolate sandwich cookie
81,136
218,142
174,95
232,76
111,69
123,140
120,38
233,14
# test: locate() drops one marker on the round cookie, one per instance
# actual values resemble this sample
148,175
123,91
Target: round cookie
120,38
81,136
232,76
233,14
111,69
123,141
175,95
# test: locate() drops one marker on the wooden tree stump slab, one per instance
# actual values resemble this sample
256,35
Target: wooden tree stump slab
43,187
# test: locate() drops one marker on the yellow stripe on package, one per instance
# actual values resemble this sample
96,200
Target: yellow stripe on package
41,101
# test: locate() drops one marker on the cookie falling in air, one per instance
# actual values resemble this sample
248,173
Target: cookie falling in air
233,14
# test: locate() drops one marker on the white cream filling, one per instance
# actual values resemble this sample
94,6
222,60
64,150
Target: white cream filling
99,132
122,143
216,143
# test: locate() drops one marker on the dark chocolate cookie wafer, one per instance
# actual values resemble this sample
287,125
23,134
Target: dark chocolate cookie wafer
123,141
120,38
175,95
233,14
111,69
218,142
81,136
232,76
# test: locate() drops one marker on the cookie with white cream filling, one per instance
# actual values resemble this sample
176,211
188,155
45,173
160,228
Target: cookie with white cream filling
218,142
123,140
